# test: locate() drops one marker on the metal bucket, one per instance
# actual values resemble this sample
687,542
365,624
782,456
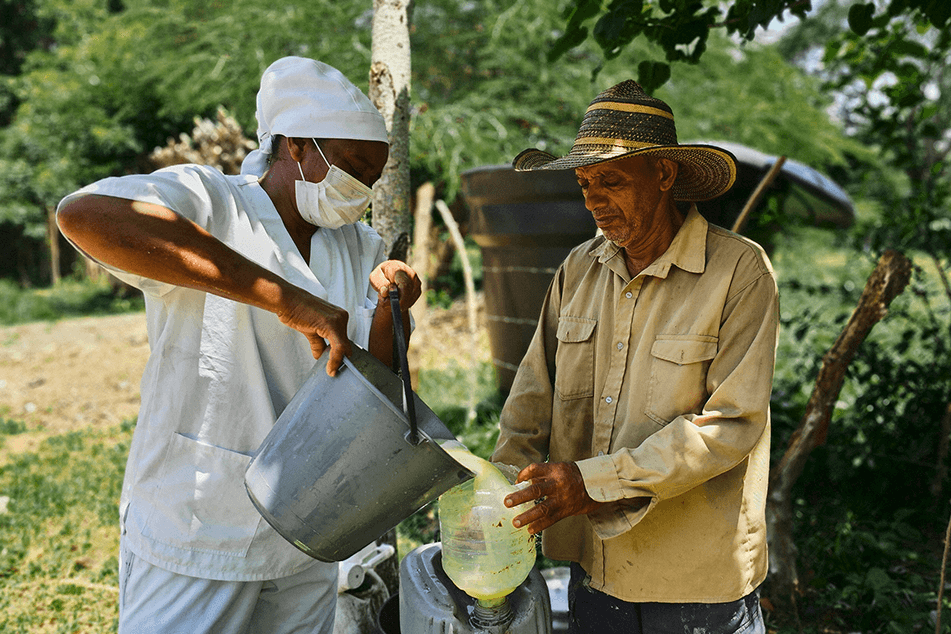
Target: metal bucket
341,466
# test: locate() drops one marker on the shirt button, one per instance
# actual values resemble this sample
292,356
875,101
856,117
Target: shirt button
620,346
608,399
630,295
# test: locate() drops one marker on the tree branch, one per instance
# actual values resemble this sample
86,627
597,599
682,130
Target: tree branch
460,243
886,282
944,566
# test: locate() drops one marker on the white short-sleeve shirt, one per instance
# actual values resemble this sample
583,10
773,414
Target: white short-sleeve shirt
220,373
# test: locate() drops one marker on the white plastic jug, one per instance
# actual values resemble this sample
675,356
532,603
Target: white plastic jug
482,552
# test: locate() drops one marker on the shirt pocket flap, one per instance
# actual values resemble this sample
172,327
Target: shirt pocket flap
575,329
684,351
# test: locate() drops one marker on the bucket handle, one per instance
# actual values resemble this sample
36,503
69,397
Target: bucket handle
409,406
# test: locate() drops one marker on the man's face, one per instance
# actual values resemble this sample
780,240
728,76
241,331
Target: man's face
624,198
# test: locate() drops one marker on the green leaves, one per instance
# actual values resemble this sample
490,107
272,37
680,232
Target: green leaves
575,31
652,75
860,18
682,34
679,27
745,16
621,24
890,69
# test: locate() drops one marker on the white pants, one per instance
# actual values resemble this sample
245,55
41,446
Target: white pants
153,600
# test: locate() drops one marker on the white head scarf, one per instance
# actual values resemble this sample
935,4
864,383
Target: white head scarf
305,98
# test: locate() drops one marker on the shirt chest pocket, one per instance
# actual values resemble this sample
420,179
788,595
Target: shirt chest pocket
678,376
574,360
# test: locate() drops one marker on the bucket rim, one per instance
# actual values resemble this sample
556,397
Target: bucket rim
400,413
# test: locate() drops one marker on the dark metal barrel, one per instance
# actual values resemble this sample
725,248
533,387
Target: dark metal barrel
525,224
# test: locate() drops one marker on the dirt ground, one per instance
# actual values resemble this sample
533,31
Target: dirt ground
84,373
71,374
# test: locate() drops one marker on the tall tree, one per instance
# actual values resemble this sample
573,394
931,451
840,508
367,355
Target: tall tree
886,65
891,70
390,93
22,29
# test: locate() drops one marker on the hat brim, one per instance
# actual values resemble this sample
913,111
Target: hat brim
704,172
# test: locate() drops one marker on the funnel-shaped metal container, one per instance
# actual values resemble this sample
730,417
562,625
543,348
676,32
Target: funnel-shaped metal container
340,468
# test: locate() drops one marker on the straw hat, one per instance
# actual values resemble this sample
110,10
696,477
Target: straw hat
624,121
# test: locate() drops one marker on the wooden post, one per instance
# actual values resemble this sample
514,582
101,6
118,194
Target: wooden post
457,239
420,251
52,231
753,200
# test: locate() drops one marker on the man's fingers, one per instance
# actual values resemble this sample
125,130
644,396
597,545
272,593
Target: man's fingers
528,517
528,472
538,518
558,490
529,493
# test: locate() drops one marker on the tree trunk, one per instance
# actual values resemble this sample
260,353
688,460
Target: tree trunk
887,281
53,232
389,92
941,467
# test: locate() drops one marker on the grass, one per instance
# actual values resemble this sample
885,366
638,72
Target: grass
60,534
69,298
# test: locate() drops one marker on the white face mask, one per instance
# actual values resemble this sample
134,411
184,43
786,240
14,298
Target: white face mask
339,199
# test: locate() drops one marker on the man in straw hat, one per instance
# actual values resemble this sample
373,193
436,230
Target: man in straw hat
640,412
247,279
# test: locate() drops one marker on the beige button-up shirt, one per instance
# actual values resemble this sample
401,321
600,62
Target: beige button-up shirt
658,387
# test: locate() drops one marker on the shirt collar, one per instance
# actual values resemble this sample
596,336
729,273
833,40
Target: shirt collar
687,251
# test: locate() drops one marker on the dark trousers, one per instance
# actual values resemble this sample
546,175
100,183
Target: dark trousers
593,612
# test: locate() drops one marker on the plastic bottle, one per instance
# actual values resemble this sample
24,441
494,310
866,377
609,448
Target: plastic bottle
482,552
